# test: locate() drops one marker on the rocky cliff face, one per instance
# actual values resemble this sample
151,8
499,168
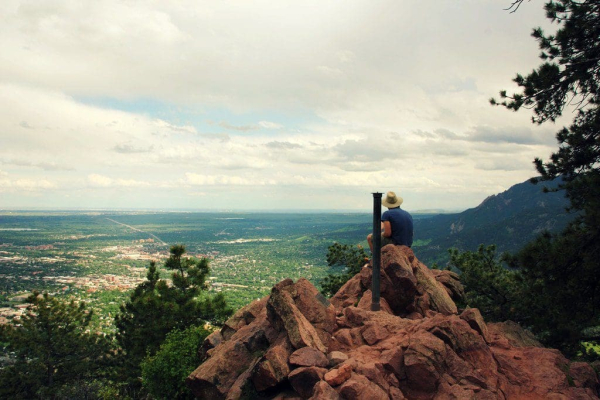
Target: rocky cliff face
295,344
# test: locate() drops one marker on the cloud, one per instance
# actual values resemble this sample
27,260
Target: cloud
222,137
97,180
241,128
8,184
172,128
502,164
283,145
516,135
46,166
368,149
223,180
357,98
270,125
131,149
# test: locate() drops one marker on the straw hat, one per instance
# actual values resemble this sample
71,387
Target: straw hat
391,200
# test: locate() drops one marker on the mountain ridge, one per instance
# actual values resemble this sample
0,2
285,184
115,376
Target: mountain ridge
509,219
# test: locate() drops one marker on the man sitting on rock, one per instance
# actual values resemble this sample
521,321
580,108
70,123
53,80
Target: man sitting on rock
396,224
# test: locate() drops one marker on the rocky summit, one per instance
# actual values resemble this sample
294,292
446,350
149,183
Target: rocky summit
296,344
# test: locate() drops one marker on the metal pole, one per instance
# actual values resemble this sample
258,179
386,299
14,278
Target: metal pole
376,250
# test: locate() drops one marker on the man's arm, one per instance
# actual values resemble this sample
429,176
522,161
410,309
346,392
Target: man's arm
387,229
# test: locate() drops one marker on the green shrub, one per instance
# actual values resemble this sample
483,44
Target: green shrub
163,375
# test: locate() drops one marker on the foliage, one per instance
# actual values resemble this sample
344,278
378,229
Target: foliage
52,349
163,374
155,308
562,270
560,274
489,286
547,287
342,255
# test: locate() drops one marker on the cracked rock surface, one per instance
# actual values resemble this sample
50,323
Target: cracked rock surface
295,344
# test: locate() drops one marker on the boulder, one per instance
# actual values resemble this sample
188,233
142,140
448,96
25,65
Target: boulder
513,333
395,263
451,282
336,377
293,344
304,379
359,387
308,357
336,357
242,317
322,391
473,317
273,368
214,378
439,300
283,314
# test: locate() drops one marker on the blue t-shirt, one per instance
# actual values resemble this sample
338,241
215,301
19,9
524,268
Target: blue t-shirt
402,226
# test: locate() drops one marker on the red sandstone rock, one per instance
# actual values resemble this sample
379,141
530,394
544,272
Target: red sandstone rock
284,314
425,351
584,376
373,333
438,296
314,306
403,283
451,282
322,391
424,362
274,368
243,316
475,321
336,357
537,373
367,300
303,379
211,341
215,377
336,377
359,387
350,293
513,333
308,357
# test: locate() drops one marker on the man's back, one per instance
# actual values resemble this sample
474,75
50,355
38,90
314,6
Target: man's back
402,226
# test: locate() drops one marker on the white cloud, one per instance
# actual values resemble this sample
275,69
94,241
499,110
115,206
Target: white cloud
96,180
8,184
355,97
270,125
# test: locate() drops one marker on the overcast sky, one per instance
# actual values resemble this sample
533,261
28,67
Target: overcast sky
263,104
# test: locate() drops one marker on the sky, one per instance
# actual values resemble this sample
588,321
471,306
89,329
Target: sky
263,105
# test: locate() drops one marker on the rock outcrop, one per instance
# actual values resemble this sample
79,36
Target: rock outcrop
296,344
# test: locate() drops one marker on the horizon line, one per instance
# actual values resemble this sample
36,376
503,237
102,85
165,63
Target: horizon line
215,210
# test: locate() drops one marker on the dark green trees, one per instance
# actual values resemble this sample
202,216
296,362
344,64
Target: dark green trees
489,285
163,375
53,350
561,273
156,307
350,258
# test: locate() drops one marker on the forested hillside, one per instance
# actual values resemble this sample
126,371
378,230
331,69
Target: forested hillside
509,219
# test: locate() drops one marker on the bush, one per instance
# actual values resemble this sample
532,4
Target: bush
163,375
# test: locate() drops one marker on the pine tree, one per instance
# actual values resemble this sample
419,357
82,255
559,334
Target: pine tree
155,308
164,374
489,285
562,271
52,348
350,258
